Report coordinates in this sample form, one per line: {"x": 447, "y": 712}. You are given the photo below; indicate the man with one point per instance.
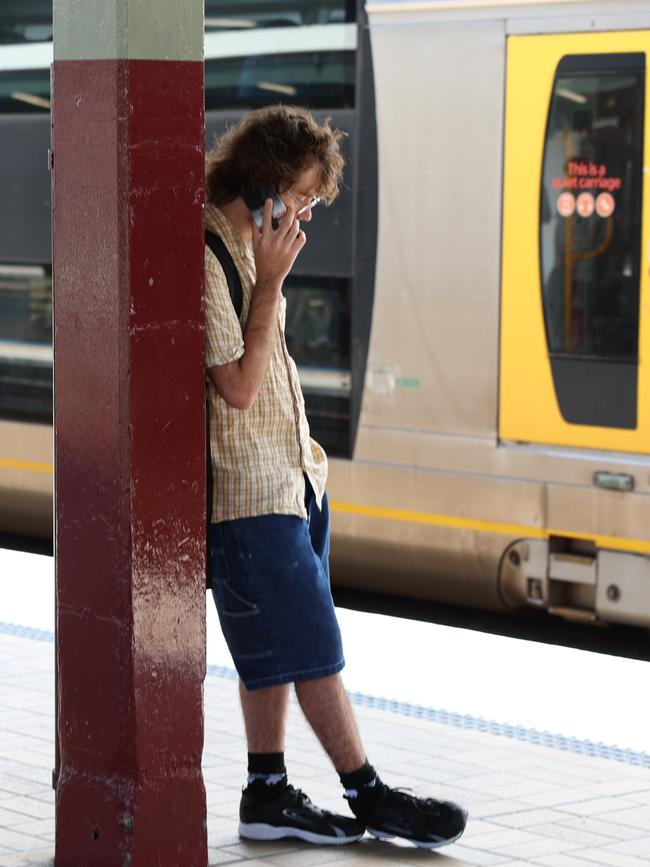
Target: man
{"x": 269, "y": 540}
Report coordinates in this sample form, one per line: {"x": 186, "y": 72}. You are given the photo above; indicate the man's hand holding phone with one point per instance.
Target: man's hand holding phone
{"x": 276, "y": 250}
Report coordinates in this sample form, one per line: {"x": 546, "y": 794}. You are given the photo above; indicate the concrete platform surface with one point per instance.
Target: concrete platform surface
{"x": 529, "y": 804}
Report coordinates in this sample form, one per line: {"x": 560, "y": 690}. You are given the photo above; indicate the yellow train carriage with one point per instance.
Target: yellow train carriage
{"x": 485, "y": 400}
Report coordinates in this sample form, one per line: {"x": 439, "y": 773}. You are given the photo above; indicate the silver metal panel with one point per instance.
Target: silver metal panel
{"x": 391, "y": 552}
{"x": 598, "y": 513}
{"x": 623, "y": 593}
{"x": 414, "y": 14}
{"x": 467, "y": 455}
{"x": 579, "y": 24}
{"x": 433, "y": 347}
{"x": 570, "y": 568}
{"x": 25, "y": 495}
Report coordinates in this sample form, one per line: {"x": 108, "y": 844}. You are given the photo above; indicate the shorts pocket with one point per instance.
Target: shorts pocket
{"x": 245, "y": 631}
{"x": 236, "y": 605}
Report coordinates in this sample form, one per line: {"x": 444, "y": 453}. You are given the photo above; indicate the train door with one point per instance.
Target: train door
{"x": 575, "y": 317}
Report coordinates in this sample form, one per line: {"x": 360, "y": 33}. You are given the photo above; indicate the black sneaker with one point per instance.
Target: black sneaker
{"x": 292, "y": 814}
{"x": 424, "y": 821}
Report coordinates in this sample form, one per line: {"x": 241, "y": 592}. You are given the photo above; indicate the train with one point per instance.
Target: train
{"x": 470, "y": 318}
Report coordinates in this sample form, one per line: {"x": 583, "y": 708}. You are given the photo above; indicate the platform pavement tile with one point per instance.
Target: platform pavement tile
{"x": 497, "y": 840}
{"x": 638, "y": 791}
{"x": 562, "y": 860}
{"x": 476, "y": 827}
{"x": 592, "y": 769}
{"x": 43, "y": 828}
{"x": 559, "y": 798}
{"x": 610, "y": 829}
{"x": 435, "y": 769}
{"x": 491, "y": 808}
{"x": 41, "y": 858}
{"x": 14, "y": 721}
{"x": 640, "y": 848}
{"x": 573, "y": 835}
{"x": 11, "y": 819}
{"x": 531, "y": 818}
{"x": 262, "y": 848}
{"x": 216, "y": 858}
{"x": 40, "y": 775}
{"x": 558, "y": 777}
{"x": 308, "y": 855}
{"x": 522, "y": 789}
{"x": 462, "y": 854}
{"x": 638, "y": 816}
{"x": 358, "y": 860}
{"x": 26, "y": 758}
{"x": 11, "y": 785}
{"x": 40, "y": 728}
{"x": 485, "y": 781}
{"x": 228, "y": 769}
{"x": 43, "y": 793}
{"x": 222, "y": 831}
{"x": 621, "y": 809}
{"x": 256, "y": 862}
{"x": 11, "y": 839}
{"x": 611, "y": 859}
{"x": 534, "y": 848}
{"x": 615, "y": 803}
{"x": 224, "y": 796}
{"x": 33, "y": 808}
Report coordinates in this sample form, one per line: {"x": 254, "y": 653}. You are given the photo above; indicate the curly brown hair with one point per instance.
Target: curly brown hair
{"x": 273, "y": 145}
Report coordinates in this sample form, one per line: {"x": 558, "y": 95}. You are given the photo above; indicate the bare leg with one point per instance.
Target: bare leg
{"x": 265, "y": 714}
{"x": 329, "y": 712}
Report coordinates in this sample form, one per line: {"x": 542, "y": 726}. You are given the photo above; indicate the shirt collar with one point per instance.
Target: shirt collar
{"x": 216, "y": 220}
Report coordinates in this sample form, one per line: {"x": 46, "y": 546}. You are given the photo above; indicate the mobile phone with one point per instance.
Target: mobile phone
{"x": 255, "y": 203}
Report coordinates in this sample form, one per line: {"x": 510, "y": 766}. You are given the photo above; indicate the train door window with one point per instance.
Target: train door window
{"x": 317, "y": 79}
{"x": 24, "y": 91}
{"x": 25, "y": 21}
{"x": 590, "y": 236}
{"x": 26, "y": 343}
{"x": 318, "y": 338}
{"x": 575, "y": 287}
{"x": 248, "y": 14}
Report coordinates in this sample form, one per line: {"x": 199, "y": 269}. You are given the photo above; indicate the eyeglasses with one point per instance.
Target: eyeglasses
{"x": 311, "y": 202}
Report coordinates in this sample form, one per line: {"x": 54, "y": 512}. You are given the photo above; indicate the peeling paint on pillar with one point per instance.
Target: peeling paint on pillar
{"x": 129, "y": 431}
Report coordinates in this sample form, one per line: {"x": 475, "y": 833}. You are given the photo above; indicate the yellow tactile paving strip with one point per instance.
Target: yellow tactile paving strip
{"x": 528, "y": 804}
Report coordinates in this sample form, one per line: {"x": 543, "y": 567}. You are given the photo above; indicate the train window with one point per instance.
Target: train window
{"x": 317, "y": 79}
{"x": 25, "y": 21}
{"x": 31, "y": 20}
{"x": 26, "y": 343}
{"x": 590, "y": 235}
{"x": 248, "y": 14}
{"x": 24, "y": 91}
{"x": 318, "y": 338}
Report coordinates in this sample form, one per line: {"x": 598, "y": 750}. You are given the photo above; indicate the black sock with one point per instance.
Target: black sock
{"x": 362, "y": 789}
{"x": 267, "y": 775}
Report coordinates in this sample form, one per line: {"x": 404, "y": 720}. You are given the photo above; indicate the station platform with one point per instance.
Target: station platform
{"x": 529, "y": 803}
{"x": 548, "y": 747}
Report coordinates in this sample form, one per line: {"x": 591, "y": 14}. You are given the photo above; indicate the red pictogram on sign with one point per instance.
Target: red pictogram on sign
{"x": 585, "y": 204}
{"x": 605, "y": 205}
{"x": 566, "y": 205}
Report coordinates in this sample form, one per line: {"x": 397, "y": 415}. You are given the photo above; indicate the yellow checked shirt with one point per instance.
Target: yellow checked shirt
{"x": 259, "y": 455}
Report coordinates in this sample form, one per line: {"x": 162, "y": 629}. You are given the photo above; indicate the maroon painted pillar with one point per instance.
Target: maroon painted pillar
{"x": 128, "y": 152}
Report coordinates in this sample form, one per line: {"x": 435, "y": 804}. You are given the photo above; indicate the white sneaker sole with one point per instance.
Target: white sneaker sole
{"x": 382, "y": 835}
{"x": 261, "y": 831}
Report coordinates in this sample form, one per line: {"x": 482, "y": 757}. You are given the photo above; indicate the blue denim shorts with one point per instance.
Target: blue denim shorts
{"x": 270, "y": 582}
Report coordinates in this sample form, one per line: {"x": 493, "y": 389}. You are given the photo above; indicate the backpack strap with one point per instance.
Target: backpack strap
{"x": 216, "y": 244}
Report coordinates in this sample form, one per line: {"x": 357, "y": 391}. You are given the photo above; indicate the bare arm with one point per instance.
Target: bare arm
{"x": 275, "y": 252}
